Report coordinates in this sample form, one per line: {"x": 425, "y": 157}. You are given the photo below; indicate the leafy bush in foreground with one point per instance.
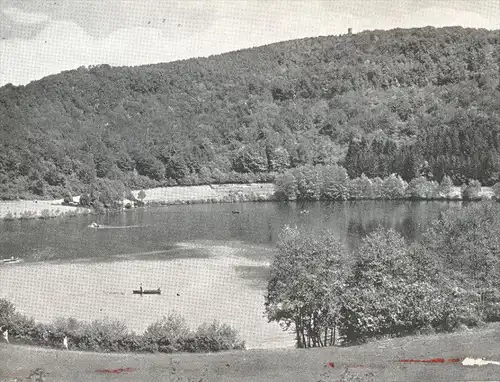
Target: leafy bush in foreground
{"x": 305, "y": 285}
{"x": 448, "y": 280}
{"x": 387, "y": 293}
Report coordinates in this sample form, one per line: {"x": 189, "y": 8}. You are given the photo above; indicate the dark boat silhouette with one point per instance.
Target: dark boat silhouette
{"x": 236, "y": 212}
{"x": 147, "y": 291}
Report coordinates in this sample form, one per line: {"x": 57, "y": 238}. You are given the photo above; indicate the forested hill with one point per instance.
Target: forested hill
{"x": 390, "y": 100}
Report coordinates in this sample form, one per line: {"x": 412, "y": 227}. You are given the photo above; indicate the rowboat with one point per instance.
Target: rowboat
{"x": 11, "y": 260}
{"x": 147, "y": 291}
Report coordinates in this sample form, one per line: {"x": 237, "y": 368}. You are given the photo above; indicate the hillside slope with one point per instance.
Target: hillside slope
{"x": 415, "y": 95}
{"x": 379, "y": 358}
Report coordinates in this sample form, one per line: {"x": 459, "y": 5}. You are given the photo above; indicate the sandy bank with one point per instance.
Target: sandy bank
{"x": 28, "y": 209}
{"x": 200, "y": 289}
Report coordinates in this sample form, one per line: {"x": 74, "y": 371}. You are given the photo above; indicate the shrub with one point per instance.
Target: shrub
{"x": 67, "y": 198}
{"x": 388, "y": 292}
{"x": 85, "y": 200}
{"x": 170, "y": 334}
{"x": 422, "y": 188}
{"x": 445, "y": 186}
{"x": 309, "y": 182}
{"x": 393, "y": 187}
{"x": 7, "y": 311}
{"x": 467, "y": 241}
{"x": 361, "y": 188}
{"x": 141, "y": 195}
{"x": 286, "y": 186}
{"x": 471, "y": 192}
{"x": 8, "y": 216}
{"x": 102, "y": 335}
{"x": 377, "y": 188}
{"x": 21, "y": 328}
{"x": 214, "y": 337}
{"x": 45, "y": 214}
{"x": 165, "y": 335}
{"x": 335, "y": 183}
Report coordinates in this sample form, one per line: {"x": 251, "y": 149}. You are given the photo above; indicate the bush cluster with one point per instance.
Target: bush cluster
{"x": 168, "y": 335}
{"x": 331, "y": 182}
{"x": 448, "y": 280}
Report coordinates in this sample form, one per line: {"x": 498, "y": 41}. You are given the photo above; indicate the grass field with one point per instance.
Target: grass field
{"x": 376, "y": 361}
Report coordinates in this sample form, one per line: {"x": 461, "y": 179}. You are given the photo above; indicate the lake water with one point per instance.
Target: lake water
{"x": 156, "y": 229}
{"x": 211, "y": 263}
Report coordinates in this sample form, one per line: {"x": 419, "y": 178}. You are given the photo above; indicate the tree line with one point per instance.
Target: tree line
{"x": 332, "y": 182}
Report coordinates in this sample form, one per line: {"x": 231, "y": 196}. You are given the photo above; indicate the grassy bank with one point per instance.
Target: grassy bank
{"x": 375, "y": 361}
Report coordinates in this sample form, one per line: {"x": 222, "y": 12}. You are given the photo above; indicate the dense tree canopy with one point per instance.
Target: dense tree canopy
{"x": 415, "y": 102}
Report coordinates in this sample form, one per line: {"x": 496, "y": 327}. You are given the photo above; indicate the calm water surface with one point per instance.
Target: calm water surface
{"x": 157, "y": 229}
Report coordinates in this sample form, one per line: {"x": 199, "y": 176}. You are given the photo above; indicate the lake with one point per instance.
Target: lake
{"x": 211, "y": 263}
{"x": 157, "y": 229}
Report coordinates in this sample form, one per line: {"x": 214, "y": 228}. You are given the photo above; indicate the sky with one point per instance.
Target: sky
{"x": 43, "y": 37}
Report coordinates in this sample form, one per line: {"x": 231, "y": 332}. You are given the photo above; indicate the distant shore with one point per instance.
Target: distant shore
{"x": 220, "y": 193}
{"x": 217, "y": 193}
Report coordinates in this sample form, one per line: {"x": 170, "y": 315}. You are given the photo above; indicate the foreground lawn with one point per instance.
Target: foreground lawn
{"x": 377, "y": 361}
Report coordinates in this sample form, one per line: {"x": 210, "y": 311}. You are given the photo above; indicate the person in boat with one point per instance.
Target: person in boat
{"x": 140, "y": 288}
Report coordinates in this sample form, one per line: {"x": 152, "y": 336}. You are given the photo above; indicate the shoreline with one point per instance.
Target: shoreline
{"x": 180, "y": 195}
{"x": 159, "y": 196}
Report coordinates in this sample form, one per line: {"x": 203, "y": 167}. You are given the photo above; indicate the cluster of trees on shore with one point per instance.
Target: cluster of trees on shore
{"x": 447, "y": 281}
{"x": 332, "y": 182}
{"x": 168, "y": 335}
{"x": 377, "y": 102}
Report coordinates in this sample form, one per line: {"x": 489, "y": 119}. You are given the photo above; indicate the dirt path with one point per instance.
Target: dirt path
{"x": 380, "y": 358}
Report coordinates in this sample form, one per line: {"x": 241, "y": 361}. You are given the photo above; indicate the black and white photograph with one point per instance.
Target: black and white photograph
{"x": 249, "y": 190}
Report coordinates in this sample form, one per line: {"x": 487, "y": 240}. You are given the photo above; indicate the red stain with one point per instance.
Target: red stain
{"x": 432, "y": 360}
{"x": 115, "y": 371}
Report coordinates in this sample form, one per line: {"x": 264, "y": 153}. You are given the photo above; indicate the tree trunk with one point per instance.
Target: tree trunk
{"x": 297, "y": 332}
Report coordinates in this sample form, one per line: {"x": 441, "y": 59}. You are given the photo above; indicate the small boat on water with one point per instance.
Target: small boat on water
{"x": 12, "y": 260}
{"x": 236, "y": 212}
{"x": 94, "y": 225}
{"x": 147, "y": 291}
{"x": 304, "y": 212}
